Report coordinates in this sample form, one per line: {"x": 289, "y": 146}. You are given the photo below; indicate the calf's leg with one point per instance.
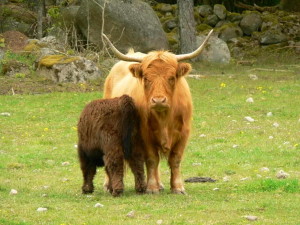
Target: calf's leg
{"x": 88, "y": 168}
{"x": 114, "y": 166}
{"x": 136, "y": 163}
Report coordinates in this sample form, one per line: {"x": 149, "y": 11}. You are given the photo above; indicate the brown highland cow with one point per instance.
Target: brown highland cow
{"x": 108, "y": 133}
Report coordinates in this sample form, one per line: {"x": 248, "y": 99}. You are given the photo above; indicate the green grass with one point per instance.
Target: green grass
{"x": 40, "y": 135}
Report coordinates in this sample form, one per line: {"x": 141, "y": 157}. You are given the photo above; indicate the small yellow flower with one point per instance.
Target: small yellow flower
{"x": 296, "y": 145}
{"x": 222, "y": 85}
{"x": 74, "y": 128}
{"x": 46, "y": 129}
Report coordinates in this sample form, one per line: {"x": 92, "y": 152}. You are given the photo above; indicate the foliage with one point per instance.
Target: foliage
{"x": 54, "y": 13}
{"x": 20, "y": 75}
{"x": 27, "y": 59}
{"x": 40, "y": 135}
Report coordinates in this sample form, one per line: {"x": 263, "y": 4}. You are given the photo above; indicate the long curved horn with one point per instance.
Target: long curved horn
{"x": 196, "y": 52}
{"x": 119, "y": 54}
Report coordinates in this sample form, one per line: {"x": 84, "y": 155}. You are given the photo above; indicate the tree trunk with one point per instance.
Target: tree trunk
{"x": 187, "y": 31}
{"x": 41, "y": 10}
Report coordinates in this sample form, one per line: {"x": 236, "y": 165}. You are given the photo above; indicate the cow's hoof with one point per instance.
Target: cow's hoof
{"x": 140, "y": 190}
{"x": 179, "y": 192}
{"x": 161, "y": 187}
{"x": 87, "y": 190}
{"x": 117, "y": 192}
{"x": 152, "y": 191}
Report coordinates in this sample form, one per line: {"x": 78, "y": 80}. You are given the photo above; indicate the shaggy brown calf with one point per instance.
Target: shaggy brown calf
{"x": 108, "y": 133}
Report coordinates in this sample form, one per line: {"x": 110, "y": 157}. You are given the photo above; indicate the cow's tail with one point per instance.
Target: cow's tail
{"x": 129, "y": 124}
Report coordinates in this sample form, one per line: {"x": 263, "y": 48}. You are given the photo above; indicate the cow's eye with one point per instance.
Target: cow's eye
{"x": 147, "y": 82}
{"x": 171, "y": 80}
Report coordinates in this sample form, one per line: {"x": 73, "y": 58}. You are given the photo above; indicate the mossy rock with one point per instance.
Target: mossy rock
{"x": 162, "y": 7}
{"x": 169, "y": 25}
{"x": 163, "y": 19}
{"x": 198, "y": 18}
{"x": 270, "y": 21}
{"x": 202, "y": 27}
{"x": 32, "y": 46}
{"x": 35, "y": 45}
{"x": 290, "y": 18}
{"x": 172, "y": 38}
{"x": 246, "y": 12}
{"x": 159, "y": 14}
{"x": 269, "y": 18}
{"x": 50, "y": 60}
{"x": 234, "y": 17}
{"x": 227, "y": 25}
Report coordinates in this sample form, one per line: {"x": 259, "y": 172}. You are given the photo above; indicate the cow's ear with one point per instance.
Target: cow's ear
{"x": 136, "y": 70}
{"x": 183, "y": 69}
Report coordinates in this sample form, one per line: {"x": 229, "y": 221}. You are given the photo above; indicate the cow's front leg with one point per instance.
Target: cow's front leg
{"x": 106, "y": 182}
{"x": 176, "y": 181}
{"x": 160, "y": 184}
{"x": 152, "y": 163}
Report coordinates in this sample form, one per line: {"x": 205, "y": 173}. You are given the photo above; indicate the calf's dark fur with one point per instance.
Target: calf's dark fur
{"x": 108, "y": 134}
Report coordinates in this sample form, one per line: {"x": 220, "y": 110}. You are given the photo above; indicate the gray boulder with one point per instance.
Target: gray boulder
{"x": 11, "y": 23}
{"x": 211, "y": 20}
{"x": 222, "y": 23}
{"x": 272, "y": 36}
{"x": 14, "y": 68}
{"x": 77, "y": 71}
{"x": 251, "y": 22}
{"x": 220, "y": 11}
{"x": 216, "y": 51}
{"x": 234, "y": 17}
{"x": 164, "y": 8}
{"x": 131, "y": 24}
{"x": 169, "y": 25}
{"x": 229, "y": 31}
{"x": 270, "y": 21}
{"x": 205, "y": 10}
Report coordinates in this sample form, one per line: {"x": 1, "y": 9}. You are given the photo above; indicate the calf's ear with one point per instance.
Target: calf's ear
{"x": 183, "y": 69}
{"x": 136, "y": 70}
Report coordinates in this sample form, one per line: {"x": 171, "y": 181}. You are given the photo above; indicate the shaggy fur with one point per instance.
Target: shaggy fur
{"x": 108, "y": 133}
{"x": 163, "y": 100}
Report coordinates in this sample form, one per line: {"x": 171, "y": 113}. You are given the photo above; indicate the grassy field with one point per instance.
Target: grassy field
{"x": 39, "y": 160}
